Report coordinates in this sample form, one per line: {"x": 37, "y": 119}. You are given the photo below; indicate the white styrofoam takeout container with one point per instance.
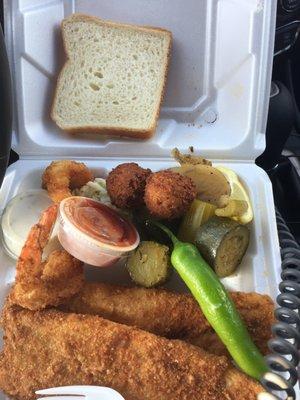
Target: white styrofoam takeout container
{"x": 216, "y": 101}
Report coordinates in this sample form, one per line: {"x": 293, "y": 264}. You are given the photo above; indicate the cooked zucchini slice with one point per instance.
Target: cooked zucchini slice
{"x": 149, "y": 265}
{"x": 198, "y": 213}
{"x": 223, "y": 243}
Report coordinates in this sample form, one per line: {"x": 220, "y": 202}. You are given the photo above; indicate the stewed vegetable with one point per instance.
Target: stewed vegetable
{"x": 223, "y": 243}
{"x": 216, "y": 305}
{"x": 198, "y": 213}
{"x": 149, "y": 264}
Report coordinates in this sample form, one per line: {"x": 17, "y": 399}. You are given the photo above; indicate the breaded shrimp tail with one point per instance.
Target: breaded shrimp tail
{"x": 172, "y": 315}
{"x": 50, "y": 348}
{"x": 41, "y": 283}
{"x": 60, "y": 177}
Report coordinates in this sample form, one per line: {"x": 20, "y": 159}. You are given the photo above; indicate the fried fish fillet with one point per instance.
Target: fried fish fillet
{"x": 170, "y": 314}
{"x": 50, "y": 348}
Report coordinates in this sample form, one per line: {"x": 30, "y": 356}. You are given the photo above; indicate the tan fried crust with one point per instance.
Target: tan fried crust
{"x": 172, "y": 315}
{"x": 49, "y": 348}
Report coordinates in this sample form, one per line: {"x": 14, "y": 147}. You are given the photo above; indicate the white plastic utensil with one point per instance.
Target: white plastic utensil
{"x": 84, "y": 392}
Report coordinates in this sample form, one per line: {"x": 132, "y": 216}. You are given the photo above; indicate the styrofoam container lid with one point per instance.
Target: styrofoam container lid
{"x": 217, "y": 90}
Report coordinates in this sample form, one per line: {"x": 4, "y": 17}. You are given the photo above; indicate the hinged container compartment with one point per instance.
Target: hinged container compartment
{"x": 216, "y": 101}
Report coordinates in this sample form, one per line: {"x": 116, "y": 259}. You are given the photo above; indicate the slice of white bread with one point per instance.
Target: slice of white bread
{"x": 114, "y": 78}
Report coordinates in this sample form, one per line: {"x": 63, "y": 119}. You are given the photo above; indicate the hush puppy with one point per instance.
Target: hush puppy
{"x": 126, "y": 185}
{"x": 168, "y": 194}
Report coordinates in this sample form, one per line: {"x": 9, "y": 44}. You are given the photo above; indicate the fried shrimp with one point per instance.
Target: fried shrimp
{"x": 60, "y": 177}
{"x": 41, "y": 283}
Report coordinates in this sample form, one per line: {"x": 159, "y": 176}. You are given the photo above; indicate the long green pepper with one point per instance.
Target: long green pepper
{"x": 216, "y": 305}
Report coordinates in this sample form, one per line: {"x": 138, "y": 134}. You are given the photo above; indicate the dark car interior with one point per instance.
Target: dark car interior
{"x": 281, "y": 159}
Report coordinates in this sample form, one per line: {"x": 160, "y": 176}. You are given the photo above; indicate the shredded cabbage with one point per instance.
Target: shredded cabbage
{"x": 95, "y": 190}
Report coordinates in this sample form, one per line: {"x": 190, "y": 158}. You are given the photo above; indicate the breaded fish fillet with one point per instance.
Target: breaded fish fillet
{"x": 171, "y": 314}
{"x": 51, "y": 348}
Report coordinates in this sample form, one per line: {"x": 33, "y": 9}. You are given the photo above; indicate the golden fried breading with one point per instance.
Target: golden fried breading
{"x": 45, "y": 283}
{"x": 168, "y": 194}
{"x": 49, "y": 348}
{"x": 62, "y": 176}
{"x": 170, "y": 314}
{"x": 126, "y": 185}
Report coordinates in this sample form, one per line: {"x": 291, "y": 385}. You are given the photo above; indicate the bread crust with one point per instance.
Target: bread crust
{"x": 112, "y": 131}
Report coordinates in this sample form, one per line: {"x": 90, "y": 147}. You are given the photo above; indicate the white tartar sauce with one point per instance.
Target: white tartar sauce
{"x": 20, "y": 214}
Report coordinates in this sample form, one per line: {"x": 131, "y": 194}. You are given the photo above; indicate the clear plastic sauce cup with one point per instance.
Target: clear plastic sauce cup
{"x": 94, "y": 232}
